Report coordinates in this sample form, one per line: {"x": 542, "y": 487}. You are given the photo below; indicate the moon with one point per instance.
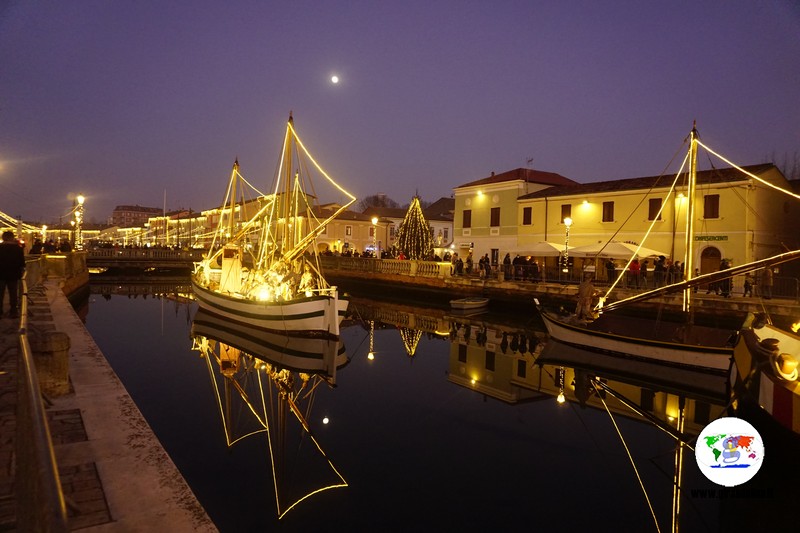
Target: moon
{"x": 334, "y": 79}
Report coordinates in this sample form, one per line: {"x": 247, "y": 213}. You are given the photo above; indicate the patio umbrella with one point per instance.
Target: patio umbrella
{"x": 613, "y": 249}
{"x": 542, "y": 249}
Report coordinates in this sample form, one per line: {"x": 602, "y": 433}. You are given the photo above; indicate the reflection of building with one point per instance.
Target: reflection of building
{"x": 518, "y": 367}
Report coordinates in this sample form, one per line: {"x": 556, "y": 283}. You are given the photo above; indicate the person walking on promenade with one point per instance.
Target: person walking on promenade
{"x": 586, "y": 294}
{"x": 12, "y": 264}
{"x": 634, "y": 270}
{"x": 611, "y": 271}
{"x": 748, "y": 286}
{"x": 766, "y": 284}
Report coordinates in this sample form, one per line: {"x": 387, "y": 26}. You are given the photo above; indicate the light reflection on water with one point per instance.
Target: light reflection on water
{"x": 421, "y": 447}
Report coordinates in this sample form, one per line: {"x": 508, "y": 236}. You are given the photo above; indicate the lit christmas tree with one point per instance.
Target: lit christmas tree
{"x": 414, "y": 236}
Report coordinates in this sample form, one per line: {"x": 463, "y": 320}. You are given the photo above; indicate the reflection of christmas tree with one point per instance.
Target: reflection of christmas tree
{"x": 410, "y": 339}
{"x": 415, "y": 237}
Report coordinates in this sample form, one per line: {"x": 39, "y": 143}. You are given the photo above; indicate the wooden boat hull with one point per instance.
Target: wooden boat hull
{"x": 757, "y": 378}
{"x": 469, "y": 304}
{"x": 301, "y": 354}
{"x": 710, "y": 358}
{"x": 312, "y": 316}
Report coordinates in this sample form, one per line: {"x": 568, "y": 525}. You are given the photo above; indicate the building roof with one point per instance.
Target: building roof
{"x": 385, "y": 212}
{"x": 441, "y": 209}
{"x": 522, "y": 174}
{"x": 704, "y": 177}
{"x": 138, "y": 208}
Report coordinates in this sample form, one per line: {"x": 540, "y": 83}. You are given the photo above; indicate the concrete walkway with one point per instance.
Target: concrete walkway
{"x": 115, "y": 474}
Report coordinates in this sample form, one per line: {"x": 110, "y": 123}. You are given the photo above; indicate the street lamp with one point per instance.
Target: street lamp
{"x": 79, "y": 222}
{"x": 567, "y": 224}
{"x": 375, "y": 236}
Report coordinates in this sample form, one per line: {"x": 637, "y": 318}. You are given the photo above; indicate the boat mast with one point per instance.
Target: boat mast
{"x": 231, "y": 222}
{"x": 688, "y": 260}
{"x": 286, "y": 243}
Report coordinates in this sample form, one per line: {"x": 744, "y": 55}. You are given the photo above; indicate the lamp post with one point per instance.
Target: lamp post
{"x": 375, "y": 237}
{"x": 79, "y": 222}
{"x": 567, "y": 224}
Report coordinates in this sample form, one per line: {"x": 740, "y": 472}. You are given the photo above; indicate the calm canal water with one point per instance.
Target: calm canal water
{"x": 420, "y": 446}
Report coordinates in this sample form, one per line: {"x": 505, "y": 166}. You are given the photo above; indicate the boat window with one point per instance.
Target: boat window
{"x": 608, "y": 211}
{"x": 654, "y": 211}
{"x": 711, "y": 206}
{"x": 526, "y": 216}
{"x": 495, "y": 217}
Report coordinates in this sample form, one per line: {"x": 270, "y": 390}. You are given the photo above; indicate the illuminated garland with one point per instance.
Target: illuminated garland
{"x": 415, "y": 236}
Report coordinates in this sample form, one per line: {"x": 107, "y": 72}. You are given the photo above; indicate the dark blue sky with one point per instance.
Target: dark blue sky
{"x": 121, "y": 100}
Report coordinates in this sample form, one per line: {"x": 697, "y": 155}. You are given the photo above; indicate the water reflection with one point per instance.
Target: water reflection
{"x": 265, "y": 384}
{"x": 459, "y": 411}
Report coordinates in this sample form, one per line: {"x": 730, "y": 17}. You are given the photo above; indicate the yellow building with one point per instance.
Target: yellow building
{"x": 736, "y": 217}
{"x": 486, "y": 217}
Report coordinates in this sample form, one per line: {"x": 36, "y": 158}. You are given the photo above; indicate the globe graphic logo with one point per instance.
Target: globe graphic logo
{"x": 729, "y": 451}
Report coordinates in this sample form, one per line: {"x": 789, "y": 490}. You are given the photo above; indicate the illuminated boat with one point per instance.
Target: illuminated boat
{"x": 679, "y": 342}
{"x": 262, "y": 268}
{"x": 767, "y": 370}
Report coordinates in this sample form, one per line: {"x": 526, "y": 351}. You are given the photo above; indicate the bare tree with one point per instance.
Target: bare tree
{"x": 377, "y": 200}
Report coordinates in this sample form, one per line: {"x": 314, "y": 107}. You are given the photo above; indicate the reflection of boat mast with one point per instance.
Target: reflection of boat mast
{"x": 676, "y": 433}
{"x": 275, "y": 395}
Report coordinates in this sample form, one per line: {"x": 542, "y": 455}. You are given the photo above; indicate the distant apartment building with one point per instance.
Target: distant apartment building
{"x": 126, "y": 216}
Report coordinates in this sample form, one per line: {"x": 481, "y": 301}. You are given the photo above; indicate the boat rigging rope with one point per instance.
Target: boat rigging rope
{"x": 750, "y": 174}
{"x": 630, "y": 457}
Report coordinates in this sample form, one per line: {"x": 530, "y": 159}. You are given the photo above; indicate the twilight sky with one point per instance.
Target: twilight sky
{"x": 122, "y": 100}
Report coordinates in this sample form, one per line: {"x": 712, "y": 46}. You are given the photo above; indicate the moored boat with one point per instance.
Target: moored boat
{"x": 766, "y": 371}
{"x": 262, "y": 268}
{"x": 681, "y": 341}
{"x": 469, "y": 304}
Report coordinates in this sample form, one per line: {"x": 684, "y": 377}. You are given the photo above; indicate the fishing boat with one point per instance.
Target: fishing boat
{"x": 766, "y": 371}
{"x": 679, "y": 342}
{"x": 262, "y": 268}
{"x": 269, "y": 391}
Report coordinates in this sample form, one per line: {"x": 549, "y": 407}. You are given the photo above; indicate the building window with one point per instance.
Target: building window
{"x": 654, "y": 212}
{"x": 446, "y": 236}
{"x": 462, "y": 353}
{"x": 608, "y": 211}
{"x": 490, "y": 361}
{"x": 467, "y": 220}
{"x": 711, "y": 206}
{"x": 392, "y": 231}
{"x": 521, "y": 368}
{"x": 348, "y": 230}
{"x": 566, "y": 211}
{"x": 495, "y": 217}
{"x": 526, "y": 216}
{"x": 372, "y": 231}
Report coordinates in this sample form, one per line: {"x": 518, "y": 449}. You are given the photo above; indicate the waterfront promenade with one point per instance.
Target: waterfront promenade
{"x": 114, "y": 473}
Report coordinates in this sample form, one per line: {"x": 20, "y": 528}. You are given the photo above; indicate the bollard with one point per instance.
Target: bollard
{"x": 51, "y": 356}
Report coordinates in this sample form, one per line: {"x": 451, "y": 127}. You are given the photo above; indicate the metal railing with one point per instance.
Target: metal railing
{"x": 40, "y": 500}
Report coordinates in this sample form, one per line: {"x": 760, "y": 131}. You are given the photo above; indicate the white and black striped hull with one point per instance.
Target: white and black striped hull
{"x": 313, "y": 316}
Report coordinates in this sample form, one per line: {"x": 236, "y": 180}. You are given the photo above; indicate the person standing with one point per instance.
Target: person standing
{"x": 766, "y": 284}
{"x": 586, "y": 294}
{"x": 12, "y": 265}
